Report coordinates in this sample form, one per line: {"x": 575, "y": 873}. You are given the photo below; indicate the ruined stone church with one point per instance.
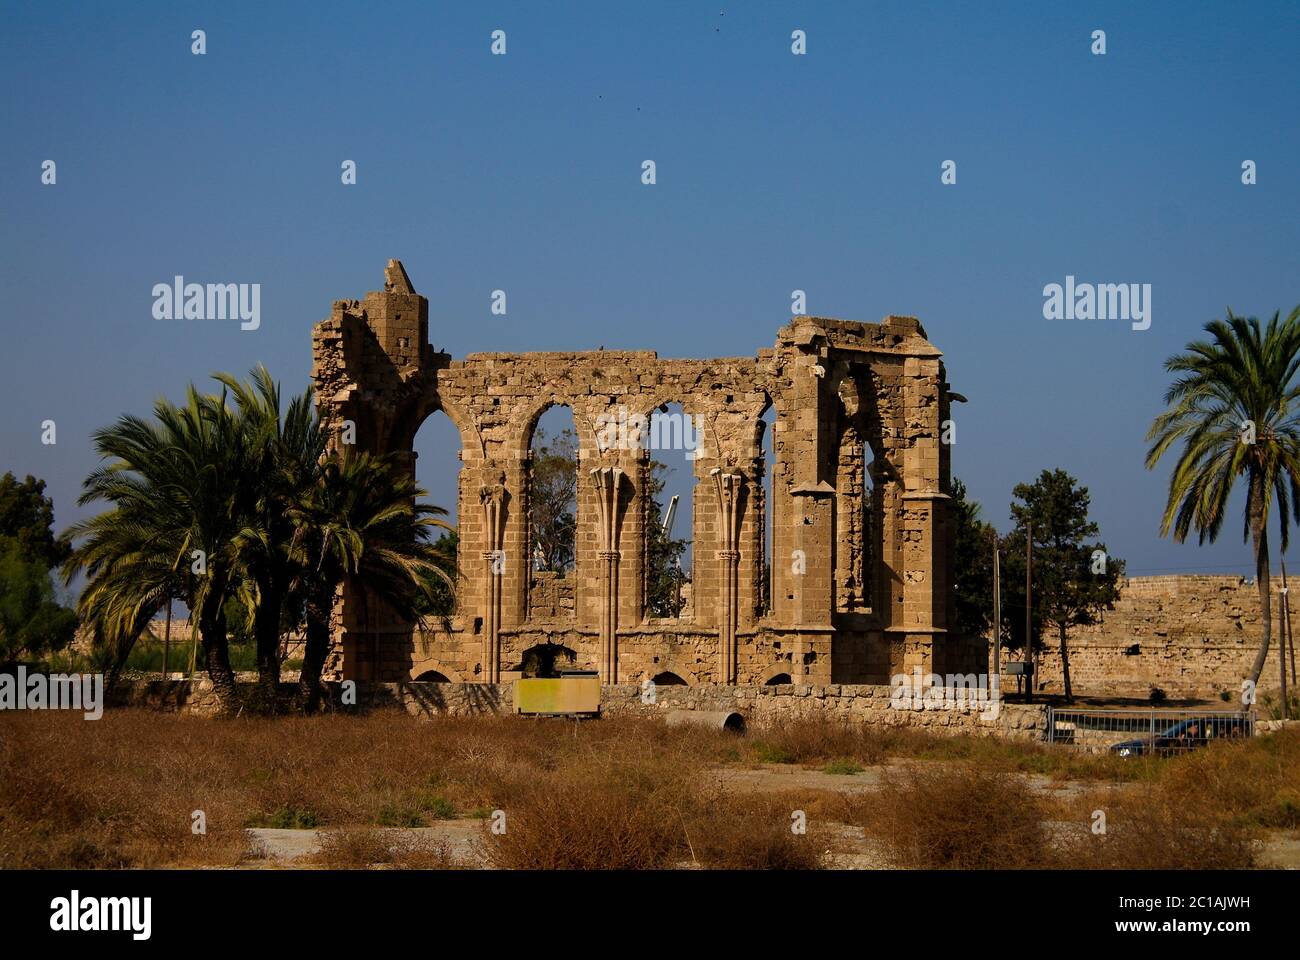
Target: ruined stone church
{"x": 861, "y": 535}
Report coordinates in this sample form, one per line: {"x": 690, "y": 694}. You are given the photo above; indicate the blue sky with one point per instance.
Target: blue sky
{"x": 775, "y": 172}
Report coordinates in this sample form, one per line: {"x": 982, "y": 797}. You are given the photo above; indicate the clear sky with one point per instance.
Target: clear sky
{"x": 775, "y": 172}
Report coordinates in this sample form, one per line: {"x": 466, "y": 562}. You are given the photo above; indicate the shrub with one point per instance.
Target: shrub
{"x": 771, "y": 753}
{"x": 1152, "y": 830}
{"x": 351, "y": 848}
{"x": 288, "y": 818}
{"x": 843, "y": 767}
{"x": 605, "y": 812}
{"x": 805, "y": 741}
{"x": 957, "y": 817}
{"x": 751, "y": 833}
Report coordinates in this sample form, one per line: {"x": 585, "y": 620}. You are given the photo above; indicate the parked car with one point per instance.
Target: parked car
{"x": 1183, "y": 736}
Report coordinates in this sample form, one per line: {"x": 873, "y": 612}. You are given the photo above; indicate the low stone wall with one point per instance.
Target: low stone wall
{"x": 867, "y": 704}
{"x": 761, "y": 706}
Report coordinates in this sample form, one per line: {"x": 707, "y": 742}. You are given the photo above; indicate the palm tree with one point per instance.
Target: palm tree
{"x": 1233, "y": 407}
{"x": 361, "y": 522}
{"x": 287, "y": 451}
{"x": 180, "y": 488}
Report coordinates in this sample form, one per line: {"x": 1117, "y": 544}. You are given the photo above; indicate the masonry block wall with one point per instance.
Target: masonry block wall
{"x": 859, "y": 521}
{"x": 1190, "y": 636}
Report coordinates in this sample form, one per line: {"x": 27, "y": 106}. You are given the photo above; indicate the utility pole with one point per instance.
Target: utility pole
{"x": 997, "y": 609}
{"x": 1029, "y": 612}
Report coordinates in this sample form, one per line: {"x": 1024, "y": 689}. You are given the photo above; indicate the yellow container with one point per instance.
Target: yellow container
{"x": 562, "y": 695}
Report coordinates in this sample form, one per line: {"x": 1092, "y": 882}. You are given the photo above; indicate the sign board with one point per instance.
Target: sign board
{"x": 563, "y": 695}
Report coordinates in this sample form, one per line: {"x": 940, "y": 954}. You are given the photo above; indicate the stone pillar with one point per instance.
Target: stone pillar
{"x": 728, "y": 485}
{"x": 924, "y": 530}
{"x": 492, "y": 497}
{"x": 608, "y": 481}
{"x": 751, "y": 544}
{"x": 632, "y": 532}
{"x": 514, "y": 541}
{"x": 813, "y": 523}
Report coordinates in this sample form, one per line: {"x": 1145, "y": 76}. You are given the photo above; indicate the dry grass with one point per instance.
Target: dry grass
{"x": 811, "y": 741}
{"x": 821, "y": 743}
{"x": 955, "y": 817}
{"x": 1204, "y": 810}
{"x": 365, "y": 848}
{"x": 1154, "y": 829}
{"x": 649, "y": 807}
{"x": 121, "y": 792}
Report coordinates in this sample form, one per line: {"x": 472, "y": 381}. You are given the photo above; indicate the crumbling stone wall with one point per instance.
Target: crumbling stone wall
{"x": 550, "y": 596}
{"x": 760, "y": 706}
{"x": 860, "y": 584}
{"x": 1190, "y": 636}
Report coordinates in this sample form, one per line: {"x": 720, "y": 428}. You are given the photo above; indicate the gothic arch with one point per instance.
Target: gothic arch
{"x": 674, "y": 667}
{"x": 775, "y": 670}
{"x": 523, "y": 425}
{"x": 435, "y": 666}
{"x": 429, "y": 403}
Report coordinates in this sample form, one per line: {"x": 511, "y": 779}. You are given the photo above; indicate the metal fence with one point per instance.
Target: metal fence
{"x": 1139, "y": 732}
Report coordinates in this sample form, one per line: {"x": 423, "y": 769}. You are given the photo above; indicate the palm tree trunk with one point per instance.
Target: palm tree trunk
{"x": 266, "y": 628}
{"x": 216, "y": 653}
{"x": 1065, "y": 665}
{"x": 1259, "y": 535}
{"x": 316, "y": 648}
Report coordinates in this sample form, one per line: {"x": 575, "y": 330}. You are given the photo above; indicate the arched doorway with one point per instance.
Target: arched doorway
{"x": 545, "y": 660}
{"x": 668, "y": 679}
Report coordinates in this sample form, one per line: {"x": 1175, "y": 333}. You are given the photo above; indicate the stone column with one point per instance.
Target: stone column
{"x": 728, "y": 484}
{"x": 925, "y": 530}
{"x": 608, "y": 481}
{"x": 492, "y": 498}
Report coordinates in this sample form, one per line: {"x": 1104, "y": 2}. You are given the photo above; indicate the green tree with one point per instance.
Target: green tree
{"x": 553, "y": 500}
{"x": 361, "y": 522}
{"x": 181, "y": 488}
{"x": 285, "y": 447}
{"x": 27, "y": 516}
{"x": 1075, "y": 579}
{"x": 234, "y": 508}
{"x": 32, "y": 621}
{"x": 437, "y": 599}
{"x": 973, "y": 568}
{"x": 1233, "y": 409}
